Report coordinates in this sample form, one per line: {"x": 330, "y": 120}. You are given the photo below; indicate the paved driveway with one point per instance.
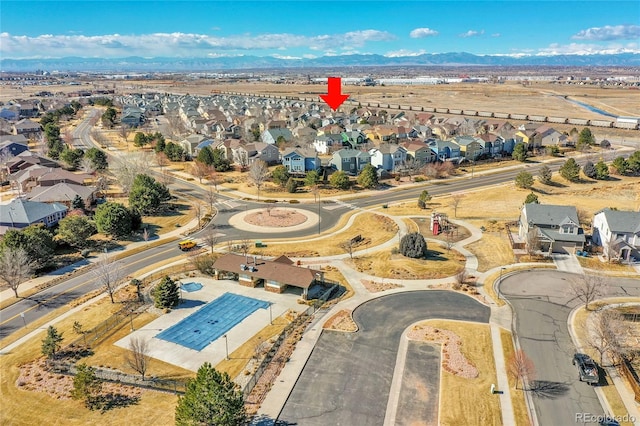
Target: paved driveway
{"x": 347, "y": 377}
{"x": 542, "y": 302}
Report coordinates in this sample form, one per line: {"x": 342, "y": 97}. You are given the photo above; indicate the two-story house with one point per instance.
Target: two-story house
{"x": 27, "y": 128}
{"x": 444, "y": 149}
{"x": 419, "y": 152}
{"x": 470, "y": 146}
{"x": 388, "y": 157}
{"x": 325, "y": 144}
{"x": 618, "y": 233}
{"x": 300, "y": 160}
{"x": 260, "y": 151}
{"x": 271, "y": 136}
{"x": 557, "y": 227}
{"x": 350, "y": 161}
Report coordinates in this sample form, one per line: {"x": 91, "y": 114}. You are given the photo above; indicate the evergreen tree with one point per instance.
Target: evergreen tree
{"x": 205, "y": 156}
{"x": 585, "y": 139}
{"x": 519, "y": 152}
{"x": 292, "y": 186}
{"x": 312, "y": 178}
{"x": 36, "y": 240}
{"x": 140, "y": 139}
{"x": 633, "y": 163}
{"x": 524, "y": 180}
{"x": 174, "y": 152}
{"x": 147, "y": 195}
{"x": 532, "y": 199}
{"x": 424, "y": 198}
{"x": 621, "y": 165}
{"x": 545, "y": 175}
{"x": 86, "y": 386}
{"x": 211, "y": 398}
{"x": 589, "y": 169}
{"x": 413, "y": 245}
{"x": 570, "y": 170}
{"x": 280, "y": 176}
{"x": 340, "y": 180}
{"x": 77, "y": 203}
{"x": 113, "y": 219}
{"x": 51, "y": 342}
{"x": 602, "y": 170}
{"x": 76, "y": 230}
{"x": 98, "y": 158}
{"x": 166, "y": 293}
{"x": 368, "y": 177}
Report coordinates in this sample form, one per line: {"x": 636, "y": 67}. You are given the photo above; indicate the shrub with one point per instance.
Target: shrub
{"x": 419, "y": 179}
{"x": 294, "y": 201}
{"x": 413, "y": 245}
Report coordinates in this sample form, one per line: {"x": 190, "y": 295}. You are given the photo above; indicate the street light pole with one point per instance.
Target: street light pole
{"x": 270, "y": 314}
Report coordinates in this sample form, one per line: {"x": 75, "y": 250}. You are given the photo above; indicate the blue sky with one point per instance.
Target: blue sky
{"x": 298, "y": 29}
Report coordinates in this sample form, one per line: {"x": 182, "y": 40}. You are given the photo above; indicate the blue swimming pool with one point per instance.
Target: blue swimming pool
{"x": 211, "y": 321}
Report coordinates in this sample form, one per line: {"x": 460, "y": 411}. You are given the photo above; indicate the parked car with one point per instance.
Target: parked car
{"x": 587, "y": 368}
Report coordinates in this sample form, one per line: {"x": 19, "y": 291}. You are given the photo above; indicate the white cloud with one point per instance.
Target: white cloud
{"x": 588, "y": 49}
{"x": 404, "y": 52}
{"x": 471, "y": 33}
{"x": 496, "y": 35}
{"x": 608, "y": 32}
{"x": 175, "y": 44}
{"x": 422, "y": 33}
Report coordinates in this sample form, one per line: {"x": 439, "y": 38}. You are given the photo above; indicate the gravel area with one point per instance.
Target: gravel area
{"x": 341, "y": 321}
{"x": 375, "y": 287}
{"x": 453, "y": 360}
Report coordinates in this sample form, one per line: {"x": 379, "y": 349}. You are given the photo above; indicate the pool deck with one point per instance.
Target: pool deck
{"x": 215, "y": 352}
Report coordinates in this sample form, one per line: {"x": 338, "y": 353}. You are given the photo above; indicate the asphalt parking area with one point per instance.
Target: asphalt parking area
{"x": 347, "y": 378}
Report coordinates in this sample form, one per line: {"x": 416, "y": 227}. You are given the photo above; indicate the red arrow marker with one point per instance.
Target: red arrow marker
{"x": 334, "y": 97}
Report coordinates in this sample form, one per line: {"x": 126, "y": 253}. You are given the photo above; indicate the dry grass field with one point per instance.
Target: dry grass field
{"x": 439, "y": 264}
{"x": 518, "y": 403}
{"x": 467, "y": 401}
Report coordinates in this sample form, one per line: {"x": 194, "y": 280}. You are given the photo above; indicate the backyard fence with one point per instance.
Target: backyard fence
{"x": 107, "y": 327}
{"x": 629, "y": 373}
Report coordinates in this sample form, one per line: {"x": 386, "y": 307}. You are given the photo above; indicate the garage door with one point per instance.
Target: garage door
{"x": 564, "y": 248}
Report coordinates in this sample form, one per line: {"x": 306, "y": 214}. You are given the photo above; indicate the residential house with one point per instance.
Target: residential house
{"x": 618, "y": 233}
{"x": 190, "y": 143}
{"x": 444, "y": 150}
{"x": 132, "y": 117}
{"x": 557, "y": 228}
{"x": 63, "y": 193}
{"x": 388, "y": 157}
{"x": 26, "y": 127}
{"x": 494, "y": 145}
{"x": 351, "y": 161}
{"x": 26, "y": 159}
{"x": 20, "y": 213}
{"x": 206, "y": 142}
{"x": 353, "y": 138}
{"x": 300, "y": 160}
{"x": 326, "y": 144}
{"x": 419, "y": 152}
{"x": 11, "y": 147}
{"x": 546, "y": 136}
{"x": 271, "y": 136}
{"x": 10, "y": 112}
{"x": 260, "y": 151}
{"x": 470, "y": 147}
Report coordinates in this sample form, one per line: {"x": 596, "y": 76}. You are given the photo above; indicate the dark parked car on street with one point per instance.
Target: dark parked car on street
{"x": 587, "y": 368}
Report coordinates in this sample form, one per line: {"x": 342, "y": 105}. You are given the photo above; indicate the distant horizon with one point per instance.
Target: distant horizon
{"x": 311, "y": 30}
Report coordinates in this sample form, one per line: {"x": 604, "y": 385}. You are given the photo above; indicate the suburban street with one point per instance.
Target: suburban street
{"x": 346, "y": 380}
{"x": 542, "y": 301}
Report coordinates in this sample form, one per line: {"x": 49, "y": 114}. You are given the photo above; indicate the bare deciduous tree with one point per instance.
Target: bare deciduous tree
{"x": 15, "y": 267}
{"x": 197, "y": 209}
{"x": 456, "y": 199}
{"x": 86, "y": 165}
{"x": 520, "y": 368}
{"x": 123, "y": 132}
{"x": 607, "y": 333}
{"x": 211, "y": 197}
{"x": 461, "y": 277}
{"x": 211, "y": 236}
{"x": 108, "y": 273}
{"x": 348, "y": 246}
{"x": 127, "y": 167}
{"x": 200, "y": 170}
{"x": 587, "y": 288}
{"x": 532, "y": 241}
{"x": 161, "y": 160}
{"x": 258, "y": 174}
{"x": 138, "y": 358}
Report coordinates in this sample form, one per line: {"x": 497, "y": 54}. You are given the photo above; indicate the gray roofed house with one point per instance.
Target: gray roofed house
{"x": 63, "y": 193}
{"x": 350, "y": 161}
{"x": 558, "y": 227}
{"x": 618, "y": 232}
{"x": 20, "y": 213}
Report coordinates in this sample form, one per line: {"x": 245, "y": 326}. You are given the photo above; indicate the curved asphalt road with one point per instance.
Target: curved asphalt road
{"x": 542, "y": 300}
{"x": 347, "y": 378}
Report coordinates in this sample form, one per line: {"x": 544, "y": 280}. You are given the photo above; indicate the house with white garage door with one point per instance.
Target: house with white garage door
{"x": 558, "y": 228}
